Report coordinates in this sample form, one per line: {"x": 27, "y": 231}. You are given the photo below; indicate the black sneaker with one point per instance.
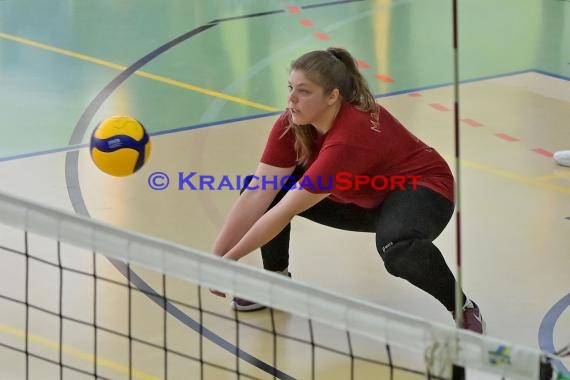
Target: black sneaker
{"x": 240, "y": 304}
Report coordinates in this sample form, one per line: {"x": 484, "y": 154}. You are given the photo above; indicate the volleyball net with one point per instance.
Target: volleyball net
{"x": 82, "y": 299}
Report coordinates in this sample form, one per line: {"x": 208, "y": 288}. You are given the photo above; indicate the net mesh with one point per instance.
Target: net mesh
{"x": 81, "y": 299}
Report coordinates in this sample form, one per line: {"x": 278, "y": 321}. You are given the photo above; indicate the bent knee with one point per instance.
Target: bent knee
{"x": 395, "y": 256}
{"x": 384, "y": 246}
{"x": 407, "y": 258}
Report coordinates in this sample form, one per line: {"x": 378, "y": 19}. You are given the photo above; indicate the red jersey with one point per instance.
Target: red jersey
{"x": 366, "y": 144}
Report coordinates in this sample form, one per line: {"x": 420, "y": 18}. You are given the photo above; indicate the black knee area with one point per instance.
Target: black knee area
{"x": 401, "y": 259}
{"x": 420, "y": 262}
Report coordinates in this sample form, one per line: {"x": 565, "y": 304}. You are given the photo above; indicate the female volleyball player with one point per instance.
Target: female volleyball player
{"x": 352, "y": 166}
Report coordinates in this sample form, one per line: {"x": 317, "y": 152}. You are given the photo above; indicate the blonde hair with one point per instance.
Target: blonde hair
{"x": 331, "y": 68}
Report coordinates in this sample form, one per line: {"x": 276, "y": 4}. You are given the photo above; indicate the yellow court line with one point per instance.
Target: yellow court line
{"x": 140, "y": 73}
{"x": 533, "y": 181}
{"x": 513, "y": 176}
{"x": 205, "y": 91}
{"x": 110, "y": 364}
{"x": 553, "y": 176}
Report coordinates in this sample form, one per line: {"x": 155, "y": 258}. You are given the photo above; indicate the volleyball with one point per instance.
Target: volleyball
{"x": 120, "y": 146}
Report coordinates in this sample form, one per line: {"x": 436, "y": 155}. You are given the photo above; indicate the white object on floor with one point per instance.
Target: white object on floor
{"x": 562, "y": 157}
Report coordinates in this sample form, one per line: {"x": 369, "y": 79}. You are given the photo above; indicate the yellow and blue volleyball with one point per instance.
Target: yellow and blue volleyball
{"x": 120, "y": 146}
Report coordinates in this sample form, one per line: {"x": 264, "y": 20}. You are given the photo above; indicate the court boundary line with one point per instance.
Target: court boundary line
{"x": 73, "y": 147}
{"x": 78, "y": 204}
{"x": 75, "y": 352}
{"x": 546, "y": 329}
{"x": 139, "y": 73}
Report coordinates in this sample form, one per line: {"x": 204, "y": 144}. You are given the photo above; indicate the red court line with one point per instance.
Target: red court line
{"x": 439, "y": 107}
{"x": 385, "y": 78}
{"x": 322, "y": 36}
{"x": 543, "y": 152}
{"x": 472, "y": 123}
{"x": 325, "y": 37}
{"x": 506, "y": 137}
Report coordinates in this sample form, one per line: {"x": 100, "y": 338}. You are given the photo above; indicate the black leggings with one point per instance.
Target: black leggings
{"x": 406, "y": 224}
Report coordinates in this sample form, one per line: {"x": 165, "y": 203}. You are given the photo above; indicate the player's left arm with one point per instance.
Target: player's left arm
{"x": 274, "y": 220}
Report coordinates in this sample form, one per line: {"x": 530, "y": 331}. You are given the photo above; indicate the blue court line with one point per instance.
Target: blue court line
{"x": 194, "y": 325}
{"x": 558, "y": 76}
{"x": 330, "y": 3}
{"x": 446, "y": 84}
{"x": 546, "y": 330}
{"x": 43, "y": 152}
{"x": 72, "y": 147}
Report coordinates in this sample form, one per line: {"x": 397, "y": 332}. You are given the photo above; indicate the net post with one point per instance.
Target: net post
{"x": 459, "y": 280}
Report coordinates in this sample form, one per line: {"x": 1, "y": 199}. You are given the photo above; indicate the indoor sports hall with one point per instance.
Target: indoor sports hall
{"x": 108, "y": 277}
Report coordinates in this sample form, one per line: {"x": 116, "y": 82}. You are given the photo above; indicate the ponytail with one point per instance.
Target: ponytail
{"x": 358, "y": 92}
{"x": 331, "y": 68}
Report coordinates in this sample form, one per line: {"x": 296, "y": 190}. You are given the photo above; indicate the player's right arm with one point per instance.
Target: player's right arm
{"x": 249, "y": 207}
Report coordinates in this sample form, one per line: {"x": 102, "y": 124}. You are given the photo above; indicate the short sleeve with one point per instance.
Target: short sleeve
{"x": 322, "y": 175}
